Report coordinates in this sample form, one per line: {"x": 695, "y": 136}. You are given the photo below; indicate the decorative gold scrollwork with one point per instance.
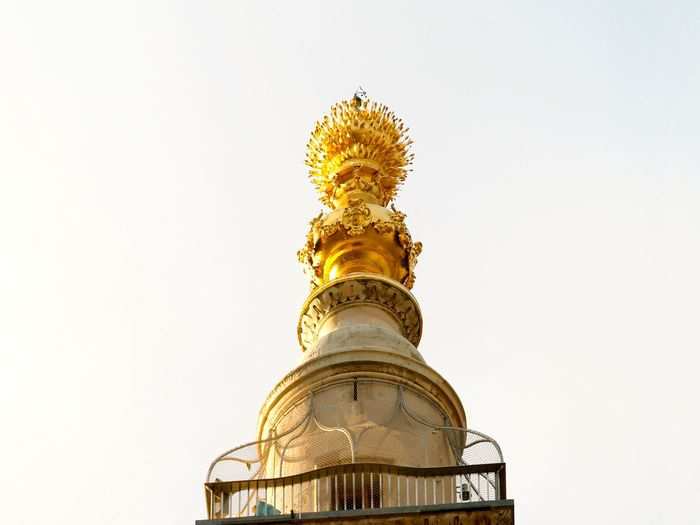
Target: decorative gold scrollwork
{"x": 354, "y": 221}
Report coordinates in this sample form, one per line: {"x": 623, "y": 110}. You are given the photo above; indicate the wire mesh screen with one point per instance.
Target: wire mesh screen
{"x": 363, "y": 421}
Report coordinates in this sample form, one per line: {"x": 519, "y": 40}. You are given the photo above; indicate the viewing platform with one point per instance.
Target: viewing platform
{"x": 353, "y": 492}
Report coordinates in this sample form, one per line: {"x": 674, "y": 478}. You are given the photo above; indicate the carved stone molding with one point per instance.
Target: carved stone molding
{"x": 357, "y": 290}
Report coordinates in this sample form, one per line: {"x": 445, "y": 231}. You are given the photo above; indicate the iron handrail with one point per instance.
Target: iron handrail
{"x": 220, "y": 495}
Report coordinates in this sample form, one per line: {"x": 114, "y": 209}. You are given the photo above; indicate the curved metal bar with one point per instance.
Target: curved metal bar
{"x": 395, "y": 412}
{"x": 477, "y": 442}
{"x": 490, "y": 440}
{"x": 458, "y": 455}
{"x": 222, "y": 456}
{"x": 307, "y": 419}
{"x": 257, "y": 442}
{"x": 248, "y": 462}
{"x": 445, "y": 427}
{"x": 342, "y": 430}
{"x": 405, "y": 410}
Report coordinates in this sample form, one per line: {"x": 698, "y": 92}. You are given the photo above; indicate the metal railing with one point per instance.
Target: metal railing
{"x": 355, "y": 486}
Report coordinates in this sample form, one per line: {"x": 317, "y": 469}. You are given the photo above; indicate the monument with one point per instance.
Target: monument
{"x": 363, "y": 429}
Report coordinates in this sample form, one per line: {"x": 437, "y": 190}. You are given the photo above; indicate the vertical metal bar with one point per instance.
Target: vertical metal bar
{"x": 434, "y": 492}
{"x": 502, "y": 494}
{"x": 387, "y": 500}
{"x": 381, "y": 486}
{"x": 398, "y": 490}
{"x": 345, "y": 493}
{"x": 335, "y": 483}
{"x": 362, "y": 484}
{"x": 371, "y": 490}
{"x": 415, "y": 481}
{"x": 328, "y": 490}
{"x": 354, "y": 490}
{"x": 425, "y": 490}
{"x": 388, "y": 488}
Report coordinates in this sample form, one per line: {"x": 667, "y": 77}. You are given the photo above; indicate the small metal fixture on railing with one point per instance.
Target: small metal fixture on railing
{"x": 355, "y": 486}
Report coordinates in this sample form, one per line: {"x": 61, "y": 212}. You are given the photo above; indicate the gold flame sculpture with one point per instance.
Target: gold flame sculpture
{"x": 360, "y": 146}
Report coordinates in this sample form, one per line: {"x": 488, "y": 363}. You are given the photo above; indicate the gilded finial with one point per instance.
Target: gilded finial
{"x": 359, "y": 150}
{"x": 359, "y": 154}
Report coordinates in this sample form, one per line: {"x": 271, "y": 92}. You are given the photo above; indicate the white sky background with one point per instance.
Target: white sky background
{"x": 153, "y": 196}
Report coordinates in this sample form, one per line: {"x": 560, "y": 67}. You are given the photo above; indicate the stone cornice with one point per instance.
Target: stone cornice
{"x": 360, "y": 289}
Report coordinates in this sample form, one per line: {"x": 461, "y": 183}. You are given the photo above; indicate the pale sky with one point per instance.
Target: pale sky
{"x": 153, "y": 196}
